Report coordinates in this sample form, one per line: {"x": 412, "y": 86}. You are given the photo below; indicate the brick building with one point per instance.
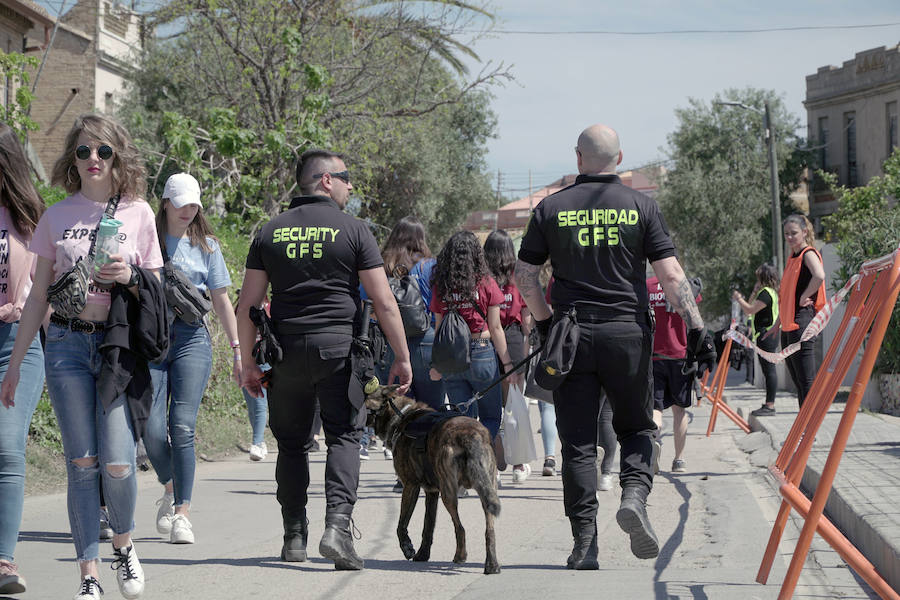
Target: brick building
{"x": 98, "y": 42}
{"x": 852, "y": 117}
{"x": 17, "y": 18}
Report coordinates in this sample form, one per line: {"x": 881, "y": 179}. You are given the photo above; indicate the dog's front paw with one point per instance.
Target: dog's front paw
{"x": 422, "y": 555}
{"x": 408, "y": 549}
{"x": 491, "y": 568}
{"x": 460, "y": 557}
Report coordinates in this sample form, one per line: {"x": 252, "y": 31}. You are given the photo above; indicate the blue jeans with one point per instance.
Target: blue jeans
{"x": 423, "y": 388}
{"x": 73, "y": 363}
{"x": 178, "y": 385}
{"x": 483, "y": 370}
{"x": 548, "y": 427}
{"x": 14, "y": 423}
{"x": 257, "y": 412}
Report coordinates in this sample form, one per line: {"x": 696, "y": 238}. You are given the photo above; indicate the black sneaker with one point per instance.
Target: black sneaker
{"x": 549, "y": 467}
{"x": 763, "y": 411}
{"x": 398, "y": 487}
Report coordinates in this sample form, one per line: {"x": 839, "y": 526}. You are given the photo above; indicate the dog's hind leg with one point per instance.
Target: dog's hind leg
{"x": 491, "y": 565}
{"x": 448, "y": 496}
{"x": 424, "y": 553}
{"x": 407, "y": 506}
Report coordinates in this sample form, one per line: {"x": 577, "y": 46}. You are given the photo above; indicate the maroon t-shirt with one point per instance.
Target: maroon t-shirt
{"x": 487, "y": 294}
{"x": 670, "y": 338}
{"x": 512, "y": 305}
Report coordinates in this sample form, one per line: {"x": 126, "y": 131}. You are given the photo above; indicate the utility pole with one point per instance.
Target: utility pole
{"x": 497, "y": 213}
{"x": 777, "y": 239}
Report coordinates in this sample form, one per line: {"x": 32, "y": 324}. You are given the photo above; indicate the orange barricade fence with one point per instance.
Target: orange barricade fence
{"x": 703, "y": 389}
{"x": 870, "y": 306}
{"x": 715, "y": 391}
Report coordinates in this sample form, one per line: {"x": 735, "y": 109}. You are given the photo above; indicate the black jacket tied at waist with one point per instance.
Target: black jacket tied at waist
{"x": 136, "y": 334}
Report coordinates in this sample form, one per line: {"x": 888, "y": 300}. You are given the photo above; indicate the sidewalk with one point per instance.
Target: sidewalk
{"x": 865, "y": 500}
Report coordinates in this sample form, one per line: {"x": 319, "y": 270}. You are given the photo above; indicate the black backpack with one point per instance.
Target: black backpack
{"x": 405, "y": 288}
{"x": 450, "y": 351}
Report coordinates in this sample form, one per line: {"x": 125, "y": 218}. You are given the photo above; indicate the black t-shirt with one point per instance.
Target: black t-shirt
{"x": 312, "y": 254}
{"x": 763, "y": 318}
{"x": 803, "y": 279}
{"x": 598, "y": 234}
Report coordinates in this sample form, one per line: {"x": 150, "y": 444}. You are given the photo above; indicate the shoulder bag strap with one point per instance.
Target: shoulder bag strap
{"x": 111, "y": 205}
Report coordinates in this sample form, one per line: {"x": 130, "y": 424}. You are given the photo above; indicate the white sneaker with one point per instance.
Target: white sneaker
{"x": 165, "y": 513}
{"x": 601, "y": 454}
{"x": 388, "y": 455}
{"x": 182, "y": 531}
{"x": 89, "y": 589}
{"x": 258, "y": 451}
{"x": 654, "y": 456}
{"x": 605, "y": 482}
{"x": 129, "y": 574}
{"x": 520, "y": 475}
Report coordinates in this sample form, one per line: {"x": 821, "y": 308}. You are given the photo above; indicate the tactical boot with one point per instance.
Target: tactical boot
{"x": 584, "y": 551}
{"x": 632, "y": 518}
{"x": 337, "y": 543}
{"x": 296, "y": 532}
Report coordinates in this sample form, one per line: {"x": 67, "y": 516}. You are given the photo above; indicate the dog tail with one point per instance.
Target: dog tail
{"x": 481, "y": 468}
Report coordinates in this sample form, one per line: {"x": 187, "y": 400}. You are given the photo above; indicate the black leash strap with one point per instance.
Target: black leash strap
{"x": 464, "y": 406}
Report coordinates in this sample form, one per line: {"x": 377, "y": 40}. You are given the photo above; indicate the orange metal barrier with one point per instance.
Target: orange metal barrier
{"x": 870, "y": 306}
{"x": 715, "y": 391}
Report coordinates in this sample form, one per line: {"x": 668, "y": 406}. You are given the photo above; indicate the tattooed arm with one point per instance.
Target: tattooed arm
{"x": 678, "y": 291}
{"x": 526, "y": 279}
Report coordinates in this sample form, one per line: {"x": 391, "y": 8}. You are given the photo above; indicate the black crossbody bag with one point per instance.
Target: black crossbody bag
{"x": 68, "y": 294}
{"x": 184, "y": 298}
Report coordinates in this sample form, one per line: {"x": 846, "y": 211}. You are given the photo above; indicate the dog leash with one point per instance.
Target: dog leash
{"x": 464, "y": 406}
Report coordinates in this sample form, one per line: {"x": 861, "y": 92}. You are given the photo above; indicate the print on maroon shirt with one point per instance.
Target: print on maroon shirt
{"x": 487, "y": 294}
{"x": 512, "y": 305}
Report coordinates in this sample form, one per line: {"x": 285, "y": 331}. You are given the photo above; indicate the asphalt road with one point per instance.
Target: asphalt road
{"x": 713, "y": 523}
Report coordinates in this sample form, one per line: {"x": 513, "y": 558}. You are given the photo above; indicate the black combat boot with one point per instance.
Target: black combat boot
{"x": 632, "y": 518}
{"x": 584, "y": 551}
{"x": 296, "y": 532}
{"x": 337, "y": 543}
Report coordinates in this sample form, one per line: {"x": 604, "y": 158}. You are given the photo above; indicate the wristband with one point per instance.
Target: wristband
{"x": 235, "y": 344}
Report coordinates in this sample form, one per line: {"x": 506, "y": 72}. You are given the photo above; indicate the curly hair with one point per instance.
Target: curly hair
{"x": 500, "y": 255}
{"x": 460, "y": 266}
{"x": 129, "y": 177}
{"x": 17, "y": 192}
{"x": 405, "y": 245}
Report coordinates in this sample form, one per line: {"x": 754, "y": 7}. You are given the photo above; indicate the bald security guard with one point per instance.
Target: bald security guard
{"x": 598, "y": 235}
{"x": 315, "y": 256}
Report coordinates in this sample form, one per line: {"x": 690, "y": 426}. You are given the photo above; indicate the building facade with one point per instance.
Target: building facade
{"x": 17, "y": 18}
{"x": 98, "y": 42}
{"x": 852, "y": 120}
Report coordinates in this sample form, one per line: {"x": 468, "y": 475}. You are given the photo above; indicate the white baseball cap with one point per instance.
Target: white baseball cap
{"x": 182, "y": 189}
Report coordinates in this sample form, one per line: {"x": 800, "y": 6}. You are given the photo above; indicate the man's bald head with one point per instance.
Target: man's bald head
{"x": 598, "y": 150}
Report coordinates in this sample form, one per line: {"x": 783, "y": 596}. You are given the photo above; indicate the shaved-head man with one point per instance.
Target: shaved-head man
{"x": 599, "y": 235}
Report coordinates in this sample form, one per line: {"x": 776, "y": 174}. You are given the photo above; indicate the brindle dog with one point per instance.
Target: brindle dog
{"x": 459, "y": 453}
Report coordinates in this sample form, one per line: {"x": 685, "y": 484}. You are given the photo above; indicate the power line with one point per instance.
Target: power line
{"x": 684, "y": 31}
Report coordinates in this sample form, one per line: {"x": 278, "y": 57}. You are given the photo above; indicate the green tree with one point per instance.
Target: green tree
{"x": 14, "y": 69}
{"x": 716, "y": 197}
{"x": 247, "y": 85}
{"x": 866, "y": 226}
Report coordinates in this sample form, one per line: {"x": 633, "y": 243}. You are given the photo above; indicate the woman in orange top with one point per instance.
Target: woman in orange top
{"x": 800, "y": 297}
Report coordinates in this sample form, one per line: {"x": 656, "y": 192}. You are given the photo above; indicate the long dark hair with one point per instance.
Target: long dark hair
{"x": 17, "y": 192}
{"x": 767, "y": 276}
{"x": 460, "y": 266}
{"x": 198, "y": 230}
{"x": 500, "y": 255}
{"x": 405, "y": 245}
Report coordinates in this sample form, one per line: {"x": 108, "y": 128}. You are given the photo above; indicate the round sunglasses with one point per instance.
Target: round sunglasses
{"x": 104, "y": 152}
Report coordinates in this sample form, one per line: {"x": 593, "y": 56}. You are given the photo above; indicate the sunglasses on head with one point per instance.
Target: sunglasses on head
{"x": 104, "y": 152}
{"x": 342, "y": 175}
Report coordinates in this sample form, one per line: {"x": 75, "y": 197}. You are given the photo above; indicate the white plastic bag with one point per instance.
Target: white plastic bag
{"x": 518, "y": 440}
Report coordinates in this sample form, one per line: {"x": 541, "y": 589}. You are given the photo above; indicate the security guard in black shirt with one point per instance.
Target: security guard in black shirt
{"x": 598, "y": 235}
{"x": 314, "y": 255}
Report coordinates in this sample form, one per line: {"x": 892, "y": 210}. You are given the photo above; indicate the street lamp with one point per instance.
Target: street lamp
{"x": 769, "y": 132}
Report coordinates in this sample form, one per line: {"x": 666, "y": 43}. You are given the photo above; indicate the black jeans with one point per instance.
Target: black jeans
{"x": 614, "y": 357}
{"x": 769, "y": 370}
{"x": 802, "y": 364}
{"x": 315, "y": 366}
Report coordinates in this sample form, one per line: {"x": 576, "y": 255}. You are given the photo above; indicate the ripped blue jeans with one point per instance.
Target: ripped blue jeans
{"x": 88, "y": 431}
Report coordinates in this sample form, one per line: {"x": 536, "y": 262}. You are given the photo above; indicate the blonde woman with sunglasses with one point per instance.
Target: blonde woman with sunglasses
{"x": 99, "y": 161}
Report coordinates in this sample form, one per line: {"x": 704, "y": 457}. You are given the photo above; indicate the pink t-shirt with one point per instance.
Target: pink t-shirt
{"x": 487, "y": 294}
{"x": 6, "y": 229}
{"x": 512, "y": 305}
{"x": 65, "y": 232}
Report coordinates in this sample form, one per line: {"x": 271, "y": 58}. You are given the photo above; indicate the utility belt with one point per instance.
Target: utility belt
{"x": 287, "y": 328}
{"x": 78, "y": 325}
{"x": 593, "y": 314}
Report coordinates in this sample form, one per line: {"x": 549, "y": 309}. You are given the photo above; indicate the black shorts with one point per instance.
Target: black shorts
{"x": 670, "y": 386}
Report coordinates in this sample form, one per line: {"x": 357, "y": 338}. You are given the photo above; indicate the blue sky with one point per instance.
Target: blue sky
{"x": 634, "y": 83}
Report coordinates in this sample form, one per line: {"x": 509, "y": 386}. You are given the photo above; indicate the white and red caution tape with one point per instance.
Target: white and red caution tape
{"x": 814, "y": 328}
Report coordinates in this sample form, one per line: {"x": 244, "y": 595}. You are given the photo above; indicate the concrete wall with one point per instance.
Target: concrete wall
{"x": 864, "y": 85}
